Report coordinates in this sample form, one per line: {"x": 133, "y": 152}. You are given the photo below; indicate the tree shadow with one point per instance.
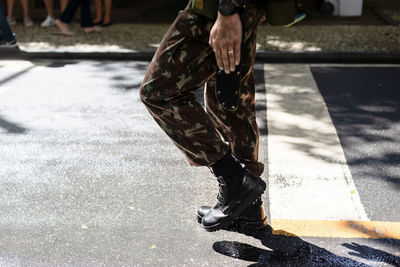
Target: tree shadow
{"x": 295, "y": 100}
{"x": 121, "y": 78}
{"x": 282, "y": 249}
{"x": 11, "y": 127}
{"x": 16, "y": 75}
{"x": 364, "y": 104}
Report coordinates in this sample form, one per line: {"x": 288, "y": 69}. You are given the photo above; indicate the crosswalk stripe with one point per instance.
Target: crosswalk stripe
{"x": 337, "y": 229}
{"x": 308, "y": 174}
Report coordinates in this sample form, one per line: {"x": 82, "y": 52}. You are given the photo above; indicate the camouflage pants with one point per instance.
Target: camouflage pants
{"x": 184, "y": 62}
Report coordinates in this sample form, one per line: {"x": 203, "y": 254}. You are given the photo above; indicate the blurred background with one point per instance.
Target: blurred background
{"x": 329, "y": 25}
{"x": 318, "y": 11}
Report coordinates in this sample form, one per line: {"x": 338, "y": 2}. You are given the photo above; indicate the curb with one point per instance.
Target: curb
{"x": 345, "y": 57}
{"x": 262, "y": 56}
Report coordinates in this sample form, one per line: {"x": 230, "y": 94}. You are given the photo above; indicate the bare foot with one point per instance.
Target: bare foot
{"x": 94, "y": 29}
{"x": 63, "y": 27}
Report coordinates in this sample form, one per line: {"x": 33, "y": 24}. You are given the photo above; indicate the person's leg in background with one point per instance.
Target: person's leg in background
{"x": 100, "y": 20}
{"x": 107, "y": 13}
{"x": 49, "y": 7}
{"x": 50, "y": 19}
{"x": 99, "y": 12}
{"x": 10, "y": 13}
{"x": 7, "y": 38}
{"x": 25, "y": 8}
{"x": 69, "y": 12}
{"x": 66, "y": 17}
{"x": 63, "y": 5}
{"x": 86, "y": 18}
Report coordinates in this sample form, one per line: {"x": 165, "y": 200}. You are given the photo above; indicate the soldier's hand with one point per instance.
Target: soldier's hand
{"x": 225, "y": 40}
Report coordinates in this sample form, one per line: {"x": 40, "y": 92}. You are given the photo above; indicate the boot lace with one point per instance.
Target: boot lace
{"x": 222, "y": 191}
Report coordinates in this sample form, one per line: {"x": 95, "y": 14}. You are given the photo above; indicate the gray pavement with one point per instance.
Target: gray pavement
{"x": 364, "y": 106}
{"x": 88, "y": 178}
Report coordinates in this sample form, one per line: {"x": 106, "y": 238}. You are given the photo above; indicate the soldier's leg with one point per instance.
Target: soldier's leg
{"x": 239, "y": 128}
{"x": 183, "y": 62}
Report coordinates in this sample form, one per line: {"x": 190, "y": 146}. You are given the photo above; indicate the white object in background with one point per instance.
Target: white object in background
{"x": 344, "y": 8}
{"x": 350, "y": 8}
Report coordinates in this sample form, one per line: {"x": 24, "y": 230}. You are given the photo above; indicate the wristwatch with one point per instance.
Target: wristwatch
{"x": 229, "y": 8}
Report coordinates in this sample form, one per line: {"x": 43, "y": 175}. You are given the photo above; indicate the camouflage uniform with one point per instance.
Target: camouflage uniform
{"x": 183, "y": 62}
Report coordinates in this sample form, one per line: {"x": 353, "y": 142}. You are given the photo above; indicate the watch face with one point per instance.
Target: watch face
{"x": 227, "y": 9}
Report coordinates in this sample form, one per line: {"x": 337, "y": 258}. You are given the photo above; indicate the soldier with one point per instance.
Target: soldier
{"x": 192, "y": 51}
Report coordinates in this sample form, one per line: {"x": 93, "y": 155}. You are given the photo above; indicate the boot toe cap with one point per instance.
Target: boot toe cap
{"x": 213, "y": 218}
{"x": 203, "y": 210}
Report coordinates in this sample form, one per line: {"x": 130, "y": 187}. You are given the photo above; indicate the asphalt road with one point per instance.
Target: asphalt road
{"x": 364, "y": 104}
{"x": 88, "y": 178}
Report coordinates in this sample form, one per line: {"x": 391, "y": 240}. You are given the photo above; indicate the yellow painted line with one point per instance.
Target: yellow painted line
{"x": 337, "y": 229}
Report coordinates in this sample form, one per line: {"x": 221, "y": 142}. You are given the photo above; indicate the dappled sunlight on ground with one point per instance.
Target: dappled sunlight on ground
{"x": 79, "y": 47}
{"x": 276, "y": 42}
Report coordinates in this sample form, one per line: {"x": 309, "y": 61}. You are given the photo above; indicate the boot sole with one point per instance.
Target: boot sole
{"x": 249, "y": 199}
{"x": 242, "y": 224}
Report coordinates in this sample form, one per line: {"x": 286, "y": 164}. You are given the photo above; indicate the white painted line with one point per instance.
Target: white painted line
{"x": 4, "y": 89}
{"x": 309, "y": 176}
{"x": 261, "y": 104}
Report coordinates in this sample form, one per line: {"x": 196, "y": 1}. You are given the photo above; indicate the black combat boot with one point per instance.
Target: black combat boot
{"x": 252, "y": 218}
{"x": 238, "y": 189}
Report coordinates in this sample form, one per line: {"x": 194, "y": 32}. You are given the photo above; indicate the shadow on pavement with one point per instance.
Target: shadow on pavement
{"x": 282, "y": 248}
{"x": 11, "y": 127}
{"x": 122, "y": 81}
{"x": 16, "y": 75}
{"x": 372, "y": 254}
{"x": 60, "y": 63}
{"x": 364, "y": 106}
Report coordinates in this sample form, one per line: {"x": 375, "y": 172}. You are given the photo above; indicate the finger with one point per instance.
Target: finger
{"x": 225, "y": 60}
{"x": 216, "y": 53}
{"x": 231, "y": 58}
{"x": 219, "y": 59}
{"x": 237, "y": 53}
